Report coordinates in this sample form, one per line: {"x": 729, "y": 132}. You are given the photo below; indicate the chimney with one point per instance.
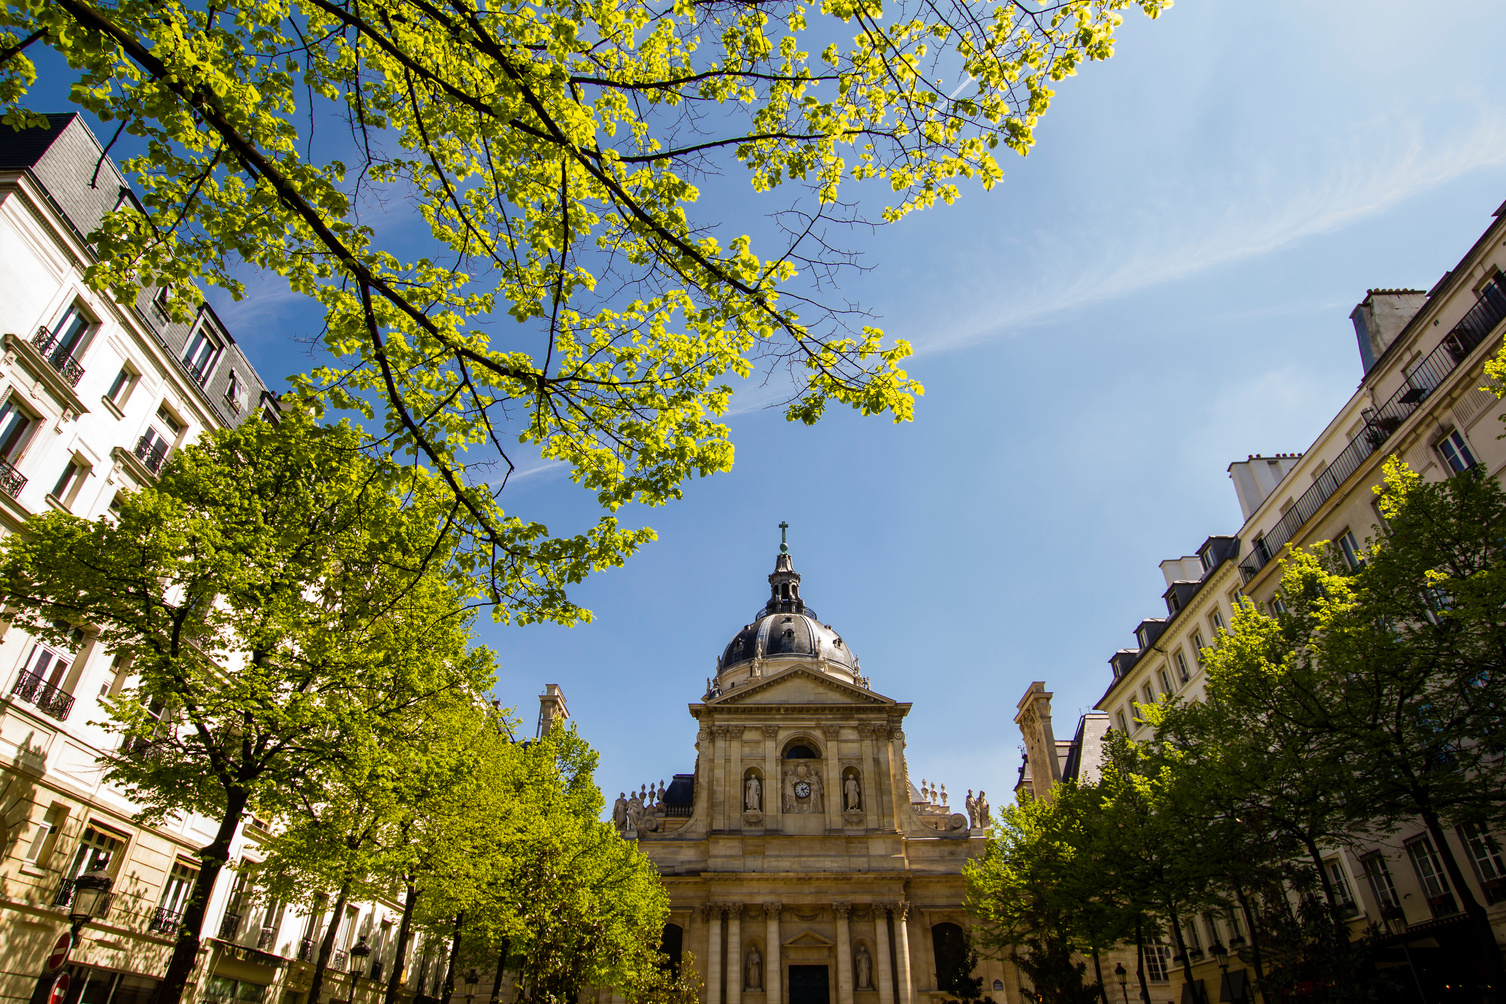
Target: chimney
{"x": 551, "y": 709}
{"x": 1254, "y": 479}
{"x": 1380, "y": 317}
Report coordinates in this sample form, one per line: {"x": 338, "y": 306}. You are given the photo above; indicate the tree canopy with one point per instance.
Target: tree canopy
{"x": 570, "y": 294}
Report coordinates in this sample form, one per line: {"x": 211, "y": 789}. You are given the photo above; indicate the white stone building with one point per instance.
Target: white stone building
{"x": 1422, "y": 356}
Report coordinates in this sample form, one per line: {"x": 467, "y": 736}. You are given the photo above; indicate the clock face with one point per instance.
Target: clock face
{"x": 802, "y": 789}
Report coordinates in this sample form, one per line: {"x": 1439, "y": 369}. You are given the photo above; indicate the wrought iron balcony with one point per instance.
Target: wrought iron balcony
{"x": 58, "y": 357}
{"x": 338, "y": 962}
{"x": 265, "y": 939}
{"x": 306, "y": 950}
{"x": 1422, "y": 380}
{"x": 230, "y": 927}
{"x": 151, "y": 452}
{"x": 165, "y": 921}
{"x": 376, "y": 969}
{"x": 11, "y": 481}
{"x": 51, "y": 700}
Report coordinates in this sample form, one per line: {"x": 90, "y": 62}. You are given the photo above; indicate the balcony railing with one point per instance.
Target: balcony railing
{"x": 1422, "y": 379}
{"x": 151, "y": 452}
{"x": 306, "y": 950}
{"x": 339, "y": 961}
{"x": 265, "y": 939}
{"x": 376, "y": 969}
{"x": 230, "y": 927}
{"x": 11, "y": 481}
{"x": 165, "y": 920}
{"x": 45, "y": 697}
{"x": 672, "y": 811}
{"x": 58, "y": 357}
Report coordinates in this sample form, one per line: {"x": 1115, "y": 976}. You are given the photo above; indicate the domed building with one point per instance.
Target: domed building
{"x": 802, "y": 865}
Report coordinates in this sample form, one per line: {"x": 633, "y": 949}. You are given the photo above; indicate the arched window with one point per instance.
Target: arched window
{"x": 954, "y": 960}
{"x": 674, "y": 935}
{"x": 800, "y": 751}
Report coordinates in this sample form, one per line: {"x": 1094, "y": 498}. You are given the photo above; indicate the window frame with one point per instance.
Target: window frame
{"x": 1180, "y": 658}
{"x": 1349, "y": 546}
{"x": 202, "y": 335}
{"x": 20, "y": 440}
{"x": 1449, "y": 446}
{"x": 1433, "y": 879}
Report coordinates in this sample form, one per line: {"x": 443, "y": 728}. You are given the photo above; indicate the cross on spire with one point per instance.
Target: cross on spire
{"x": 784, "y": 547}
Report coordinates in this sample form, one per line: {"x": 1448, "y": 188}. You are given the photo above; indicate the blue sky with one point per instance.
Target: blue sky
{"x": 1161, "y": 287}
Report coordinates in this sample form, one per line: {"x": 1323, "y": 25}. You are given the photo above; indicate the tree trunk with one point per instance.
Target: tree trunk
{"x": 1244, "y": 906}
{"x": 502, "y": 969}
{"x": 1181, "y": 945}
{"x": 1103, "y": 995}
{"x": 190, "y": 929}
{"x": 1491, "y": 969}
{"x": 1140, "y": 958}
{"x": 1323, "y": 879}
{"x": 327, "y": 945}
{"x": 400, "y": 954}
{"x": 449, "y": 976}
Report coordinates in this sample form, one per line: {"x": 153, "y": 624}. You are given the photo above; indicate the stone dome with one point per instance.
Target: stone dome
{"x": 787, "y": 629}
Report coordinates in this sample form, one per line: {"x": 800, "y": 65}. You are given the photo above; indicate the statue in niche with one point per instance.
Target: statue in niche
{"x": 619, "y": 810}
{"x": 818, "y": 793}
{"x": 852, "y": 793}
{"x": 864, "y": 966}
{"x": 754, "y": 969}
{"x": 753, "y": 795}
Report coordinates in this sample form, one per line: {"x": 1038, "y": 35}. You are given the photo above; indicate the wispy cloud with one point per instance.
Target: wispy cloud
{"x": 1232, "y": 215}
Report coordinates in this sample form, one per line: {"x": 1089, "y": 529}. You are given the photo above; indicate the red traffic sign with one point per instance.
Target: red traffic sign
{"x": 59, "y": 989}
{"x": 60, "y": 952}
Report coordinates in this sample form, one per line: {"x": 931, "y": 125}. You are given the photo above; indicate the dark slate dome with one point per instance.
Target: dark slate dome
{"x": 786, "y": 628}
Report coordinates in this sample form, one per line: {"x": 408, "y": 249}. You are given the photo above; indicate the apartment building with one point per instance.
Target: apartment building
{"x": 94, "y": 397}
{"x": 1422, "y": 357}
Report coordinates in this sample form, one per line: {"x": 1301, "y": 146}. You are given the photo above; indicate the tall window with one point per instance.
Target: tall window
{"x": 236, "y": 394}
{"x": 70, "y": 333}
{"x": 47, "y": 665}
{"x": 203, "y": 350}
{"x": 121, "y": 387}
{"x": 1381, "y": 886}
{"x": 1182, "y": 661}
{"x": 1485, "y": 852}
{"x": 97, "y": 848}
{"x": 1430, "y": 873}
{"x": 1158, "y": 963}
{"x": 1456, "y": 452}
{"x": 1217, "y": 620}
{"x": 1342, "y": 894}
{"x": 1351, "y": 549}
{"x": 1150, "y": 696}
{"x": 1197, "y": 647}
{"x": 174, "y": 896}
{"x": 15, "y": 425}
{"x": 75, "y": 472}
{"x": 1166, "y": 686}
{"x": 1123, "y": 721}
{"x": 45, "y": 838}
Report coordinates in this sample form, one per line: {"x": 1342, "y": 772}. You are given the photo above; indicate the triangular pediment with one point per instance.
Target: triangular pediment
{"x": 798, "y": 685}
{"x": 808, "y": 939}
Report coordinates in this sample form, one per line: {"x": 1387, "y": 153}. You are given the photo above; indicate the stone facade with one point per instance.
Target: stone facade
{"x": 802, "y": 865}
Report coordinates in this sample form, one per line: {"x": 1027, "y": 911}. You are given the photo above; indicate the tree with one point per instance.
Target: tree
{"x": 285, "y": 603}
{"x": 569, "y": 283}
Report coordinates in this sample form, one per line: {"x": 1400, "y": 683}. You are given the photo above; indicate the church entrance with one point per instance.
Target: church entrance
{"x": 808, "y": 985}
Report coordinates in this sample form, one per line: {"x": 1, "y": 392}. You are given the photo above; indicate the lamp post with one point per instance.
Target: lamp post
{"x": 1122, "y": 975}
{"x": 358, "y": 956}
{"x": 471, "y": 979}
{"x": 91, "y": 896}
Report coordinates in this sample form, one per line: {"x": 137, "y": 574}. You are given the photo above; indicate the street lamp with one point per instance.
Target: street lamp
{"x": 1122, "y": 975}
{"x": 471, "y": 979}
{"x": 91, "y": 896}
{"x": 1220, "y": 953}
{"x": 358, "y": 955}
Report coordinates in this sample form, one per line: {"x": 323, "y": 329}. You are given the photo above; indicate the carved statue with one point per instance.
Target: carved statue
{"x": 864, "y": 967}
{"x": 634, "y": 812}
{"x": 971, "y": 804}
{"x": 818, "y": 793}
{"x": 753, "y": 796}
{"x": 789, "y": 789}
{"x": 755, "y": 970}
{"x": 619, "y": 810}
{"x": 852, "y": 792}
{"x": 982, "y": 809}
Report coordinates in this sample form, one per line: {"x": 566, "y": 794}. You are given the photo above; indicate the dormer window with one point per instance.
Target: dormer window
{"x": 1172, "y": 603}
{"x": 1205, "y": 558}
{"x": 1143, "y": 635}
{"x": 203, "y": 350}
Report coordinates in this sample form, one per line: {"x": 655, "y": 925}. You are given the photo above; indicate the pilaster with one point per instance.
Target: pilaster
{"x": 844, "y": 954}
{"x": 773, "y": 974}
{"x": 735, "y": 953}
{"x": 713, "y": 915}
{"x": 772, "y": 805}
{"x": 902, "y": 953}
{"x": 881, "y": 936}
{"x": 831, "y": 766}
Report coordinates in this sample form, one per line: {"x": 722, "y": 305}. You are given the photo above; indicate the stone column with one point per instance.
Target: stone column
{"x": 902, "y": 953}
{"x": 881, "y": 934}
{"x": 735, "y": 784}
{"x": 735, "y": 954}
{"x": 713, "y": 915}
{"x": 844, "y": 955}
{"x": 873, "y": 804}
{"x": 726, "y": 788}
{"x": 772, "y": 787}
{"x": 832, "y": 779}
{"x": 773, "y": 964}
